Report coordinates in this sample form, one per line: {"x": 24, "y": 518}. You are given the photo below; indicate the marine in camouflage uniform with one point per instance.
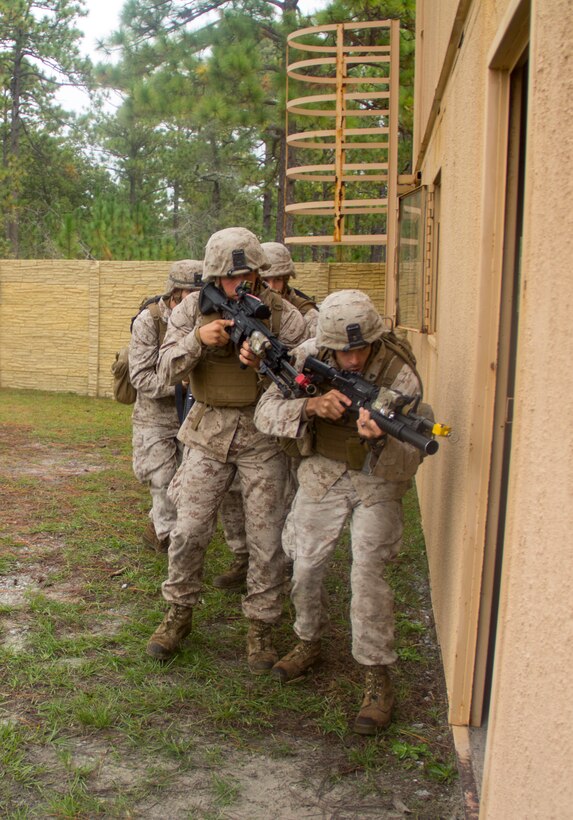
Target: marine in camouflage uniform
{"x": 222, "y": 442}
{"x": 277, "y": 277}
{"x": 156, "y": 450}
{"x": 351, "y": 470}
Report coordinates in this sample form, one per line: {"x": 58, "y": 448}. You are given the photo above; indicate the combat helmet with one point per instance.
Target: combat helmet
{"x": 280, "y": 259}
{"x": 185, "y": 274}
{"x": 348, "y": 319}
{"x": 233, "y": 252}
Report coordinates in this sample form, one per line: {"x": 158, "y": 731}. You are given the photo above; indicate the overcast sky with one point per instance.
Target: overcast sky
{"x": 102, "y": 19}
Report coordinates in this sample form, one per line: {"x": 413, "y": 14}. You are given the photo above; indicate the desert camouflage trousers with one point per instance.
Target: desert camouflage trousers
{"x": 310, "y": 535}
{"x": 156, "y": 457}
{"x": 202, "y": 483}
{"x": 232, "y": 514}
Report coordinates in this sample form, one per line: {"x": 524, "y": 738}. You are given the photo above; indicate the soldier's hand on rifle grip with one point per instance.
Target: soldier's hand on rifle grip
{"x": 247, "y": 357}
{"x": 214, "y": 334}
{"x": 367, "y": 428}
{"x": 331, "y": 405}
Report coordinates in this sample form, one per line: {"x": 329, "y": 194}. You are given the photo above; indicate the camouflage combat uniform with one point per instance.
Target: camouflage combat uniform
{"x": 156, "y": 450}
{"x": 222, "y": 441}
{"x": 232, "y": 515}
{"x": 306, "y": 306}
{"x": 282, "y": 267}
{"x": 329, "y": 492}
{"x": 232, "y": 512}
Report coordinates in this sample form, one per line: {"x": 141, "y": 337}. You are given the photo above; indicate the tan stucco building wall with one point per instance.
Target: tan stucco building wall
{"x": 62, "y": 321}
{"x": 466, "y": 53}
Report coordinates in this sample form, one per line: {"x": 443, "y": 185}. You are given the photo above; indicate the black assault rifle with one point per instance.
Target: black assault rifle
{"x": 385, "y": 406}
{"x": 247, "y": 313}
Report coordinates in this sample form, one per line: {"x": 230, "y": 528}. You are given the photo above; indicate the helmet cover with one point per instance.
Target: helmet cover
{"x": 348, "y": 319}
{"x": 185, "y": 274}
{"x": 280, "y": 259}
{"x": 233, "y": 252}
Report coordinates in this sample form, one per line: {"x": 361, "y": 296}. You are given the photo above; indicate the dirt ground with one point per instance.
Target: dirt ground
{"x": 288, "y": 772}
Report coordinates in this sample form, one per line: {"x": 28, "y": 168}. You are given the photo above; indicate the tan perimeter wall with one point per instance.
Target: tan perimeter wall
{"x": 527, "y": 773}
{"x": 61, "y": 321}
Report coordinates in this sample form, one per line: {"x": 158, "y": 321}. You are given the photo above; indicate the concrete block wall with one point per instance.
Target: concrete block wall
{"x": 318, "y": 279}
{"x": 62, "y": 321}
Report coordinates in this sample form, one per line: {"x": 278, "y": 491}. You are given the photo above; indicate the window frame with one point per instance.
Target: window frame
{"x": 425, "y": 277}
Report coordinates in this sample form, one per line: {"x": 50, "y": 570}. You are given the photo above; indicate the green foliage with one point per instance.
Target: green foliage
{"x": 196, "y": 143}
{"x": 113, "y": 230}
{"x": 442, "y": 772}
{"x": 416, "y": 755}
{"x": 38, "y": 53}
{"x": 409, "y": 752}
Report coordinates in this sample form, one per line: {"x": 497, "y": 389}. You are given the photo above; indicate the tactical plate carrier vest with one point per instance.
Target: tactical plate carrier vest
{"x": 218, "y": 378}
{"x": 340, "y": 440}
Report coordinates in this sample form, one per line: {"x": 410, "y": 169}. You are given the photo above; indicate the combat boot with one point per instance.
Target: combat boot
{"x": 150, "y": 539}
{"x": 376, "y": 710}
{"x": 298, "y": 660}
{"x": 235, "y": 577}
{"x": 170, "y": 633}
{"x": 261, "y": 654}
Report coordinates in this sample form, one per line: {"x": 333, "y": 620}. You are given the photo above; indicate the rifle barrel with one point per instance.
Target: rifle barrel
{"x": 398, "y": 427}
{"x": 362, "y": 394}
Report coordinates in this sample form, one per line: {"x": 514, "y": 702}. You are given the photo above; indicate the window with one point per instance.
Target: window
{"x": 417, "y": 259}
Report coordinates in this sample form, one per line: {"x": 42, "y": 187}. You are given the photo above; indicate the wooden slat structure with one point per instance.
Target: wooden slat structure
{"x": 357, "y": 165}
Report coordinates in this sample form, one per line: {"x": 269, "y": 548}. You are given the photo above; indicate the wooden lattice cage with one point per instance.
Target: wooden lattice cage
{"x": 355, "y": 172}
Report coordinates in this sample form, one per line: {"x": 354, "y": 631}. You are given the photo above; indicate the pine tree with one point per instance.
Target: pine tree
{"x": 38, "y": 53}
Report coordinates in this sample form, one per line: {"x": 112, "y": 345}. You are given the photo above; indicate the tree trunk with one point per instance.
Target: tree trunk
{"x": 12, "y": 226}
{"x": 267, "y": 194}
{"x": 132, "y": 177}
{"x": 176, "y": 195}
{"x": 281, "y": 190}
{"x": 216, "y": 204}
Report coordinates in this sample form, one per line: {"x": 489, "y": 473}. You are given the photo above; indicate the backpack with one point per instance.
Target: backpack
{"x": 123, "y": 390}
{"x": 400, "y": 345}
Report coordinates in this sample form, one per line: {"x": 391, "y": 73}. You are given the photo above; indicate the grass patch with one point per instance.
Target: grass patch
{"x": 88, "y": 599}
{"x": 226, "y": 791}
